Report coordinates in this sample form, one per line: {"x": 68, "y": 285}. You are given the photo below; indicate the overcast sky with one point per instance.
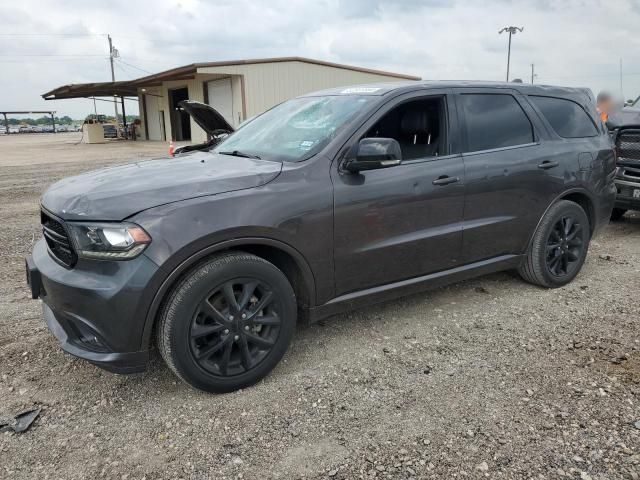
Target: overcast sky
{"x": 573, "y": 42}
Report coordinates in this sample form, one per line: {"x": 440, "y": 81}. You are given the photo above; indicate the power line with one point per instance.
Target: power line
{"x": 48, "y": 55}
{"x": 131, "y": 73}
{"x": 119, "y": 67}
{"x": 133, "y": 66}
{"x": 54, "y": 60}
{"x": 53, "y": 34}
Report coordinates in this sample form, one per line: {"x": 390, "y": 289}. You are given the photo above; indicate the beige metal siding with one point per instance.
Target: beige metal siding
{"x": 258, "y": 87}
{"x": 267, "y": 84}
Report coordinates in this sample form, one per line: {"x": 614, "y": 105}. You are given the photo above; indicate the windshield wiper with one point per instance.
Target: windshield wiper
{"x": 238, "y": 153}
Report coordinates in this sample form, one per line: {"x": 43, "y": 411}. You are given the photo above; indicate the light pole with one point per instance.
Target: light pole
{"x": 511, "y": 31}
{"x": 533, "y": 74}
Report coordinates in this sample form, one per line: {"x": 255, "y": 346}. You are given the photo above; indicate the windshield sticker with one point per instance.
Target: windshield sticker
{"x": 360, "y": 90}
{"x": 306, "y": 145}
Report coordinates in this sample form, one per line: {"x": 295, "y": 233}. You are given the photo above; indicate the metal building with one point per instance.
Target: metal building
{"x": 237, "y": 89}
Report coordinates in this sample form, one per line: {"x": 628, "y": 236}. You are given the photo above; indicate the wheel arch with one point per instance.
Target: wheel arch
{"x": 577, "y": 195}
{"x": 583, "y": 199}
{"x": 291, "y": 262}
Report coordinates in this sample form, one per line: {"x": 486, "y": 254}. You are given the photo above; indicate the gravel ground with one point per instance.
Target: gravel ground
{"x": 490, "y": 378}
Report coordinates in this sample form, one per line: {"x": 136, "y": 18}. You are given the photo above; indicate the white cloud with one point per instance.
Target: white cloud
{"x": 573, "y": 42}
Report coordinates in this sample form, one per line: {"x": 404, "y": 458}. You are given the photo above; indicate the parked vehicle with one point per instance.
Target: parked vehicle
{"x": 110, "y": 130}
{"x": 325, "y": 203}
{"x": 625, "y": 130}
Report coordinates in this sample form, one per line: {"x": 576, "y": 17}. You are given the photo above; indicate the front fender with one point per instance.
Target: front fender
{"x": 189, "y": 257}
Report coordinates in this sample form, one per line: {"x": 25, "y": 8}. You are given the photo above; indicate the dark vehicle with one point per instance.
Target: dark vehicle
{"x": 327, "y": 202}
{"x": 210, "y": 120}
{"x": 110, "y": 130}
{"x": 625, "y": 129}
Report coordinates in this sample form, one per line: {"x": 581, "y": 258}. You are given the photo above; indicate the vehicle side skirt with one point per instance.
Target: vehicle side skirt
{"x": 391, "y": 291}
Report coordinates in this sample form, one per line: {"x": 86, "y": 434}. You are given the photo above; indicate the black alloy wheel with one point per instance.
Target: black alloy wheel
{"x": 228, "y": 322}
{"x": 564, "y": 246}
{"x": 235, "y": 327}
{"x": 559, "y": 246}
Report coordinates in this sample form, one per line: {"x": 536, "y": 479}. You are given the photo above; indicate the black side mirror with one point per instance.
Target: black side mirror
{"x": 375, "y": 153}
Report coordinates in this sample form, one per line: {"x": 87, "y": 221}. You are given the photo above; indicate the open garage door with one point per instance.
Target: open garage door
{"x": 219, "y": 97}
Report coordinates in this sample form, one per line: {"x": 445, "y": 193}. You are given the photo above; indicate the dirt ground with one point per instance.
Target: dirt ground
{"x": 490, "y": 378}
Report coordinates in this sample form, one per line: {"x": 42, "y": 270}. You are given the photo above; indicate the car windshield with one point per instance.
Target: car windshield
{"x": 294, "y": 130}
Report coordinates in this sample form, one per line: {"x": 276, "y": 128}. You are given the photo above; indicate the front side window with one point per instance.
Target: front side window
{"x": 494, "y": 121}
{"x": 566, "y": 117}
{"x": 417, "y": 125}
{"x": 295, "y": 130}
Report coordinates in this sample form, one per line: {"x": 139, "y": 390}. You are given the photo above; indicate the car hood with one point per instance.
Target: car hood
{"x": 209, "y": 119}
{"x": 627, "y": 117}
{"x": 115, "y": 193}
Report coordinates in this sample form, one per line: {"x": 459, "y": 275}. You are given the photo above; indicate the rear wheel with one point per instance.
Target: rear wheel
{"x": 617, "y": 214}
{"x": 228, "y": 323}
{"x": 559, "y": 246}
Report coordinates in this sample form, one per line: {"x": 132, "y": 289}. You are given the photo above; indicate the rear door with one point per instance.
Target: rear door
{"x": 510, "y": 180}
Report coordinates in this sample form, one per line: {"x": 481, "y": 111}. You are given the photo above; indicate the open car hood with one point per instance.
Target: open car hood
{"x": 207, "y": 117}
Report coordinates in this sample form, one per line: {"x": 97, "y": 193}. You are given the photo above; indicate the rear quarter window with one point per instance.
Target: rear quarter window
{"x": 567, "y": 118}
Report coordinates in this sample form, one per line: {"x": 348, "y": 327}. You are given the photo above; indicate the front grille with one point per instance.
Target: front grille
{"x": 628, "y": 145}
{"x": 58, "y": 240}
{"x": 631, "y": 172}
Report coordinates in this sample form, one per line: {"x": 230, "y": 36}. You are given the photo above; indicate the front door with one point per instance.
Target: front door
{"x": 405, "y": 221}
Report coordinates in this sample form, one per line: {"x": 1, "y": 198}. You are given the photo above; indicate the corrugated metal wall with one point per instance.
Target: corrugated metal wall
{"x": 267, "y": 84}
{"x": 262, "y": 85}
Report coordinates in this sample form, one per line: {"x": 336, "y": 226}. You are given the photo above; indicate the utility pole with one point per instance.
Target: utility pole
{"x": 113, "y": 53}
{"x": 533, "y": 75}
{"x": 510, "y": 31}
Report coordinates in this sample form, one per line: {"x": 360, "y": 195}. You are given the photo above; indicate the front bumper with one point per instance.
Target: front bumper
{"x": 97, "y": 309}
{"x": 624, "y": 198}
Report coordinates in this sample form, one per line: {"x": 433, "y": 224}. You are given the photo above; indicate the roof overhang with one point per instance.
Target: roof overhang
{"x": 130, "y": 88}
{"x": 101, "y": 89}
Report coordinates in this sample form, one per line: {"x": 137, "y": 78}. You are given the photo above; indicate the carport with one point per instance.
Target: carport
{"x": 122, "y": 89}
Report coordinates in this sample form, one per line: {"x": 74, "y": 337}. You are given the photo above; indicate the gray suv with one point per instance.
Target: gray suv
{"x": 327, "y": 202}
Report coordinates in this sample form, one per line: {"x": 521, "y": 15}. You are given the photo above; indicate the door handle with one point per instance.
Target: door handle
{"x": 547, "y": 164}
{"x": 445, "y": 180}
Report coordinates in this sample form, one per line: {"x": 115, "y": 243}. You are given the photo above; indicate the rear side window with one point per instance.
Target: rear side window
{"x": 567, "y": 118}
{"x": 494, "y": 121}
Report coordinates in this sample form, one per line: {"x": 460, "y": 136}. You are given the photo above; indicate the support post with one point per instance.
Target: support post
{"x": 6, "y": 123}
{"x": 53, "y": 122}
{"x": 124, "y": 116}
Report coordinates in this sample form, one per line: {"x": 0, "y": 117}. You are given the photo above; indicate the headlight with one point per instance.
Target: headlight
{"x": 109, "y": 241}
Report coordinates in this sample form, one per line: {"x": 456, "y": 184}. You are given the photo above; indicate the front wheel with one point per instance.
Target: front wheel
{"x": 559, "y": 246}
{"x": 228, "y": 323}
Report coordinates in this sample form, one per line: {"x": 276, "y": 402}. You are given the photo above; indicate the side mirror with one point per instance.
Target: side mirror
{"x": 375, "y": 153}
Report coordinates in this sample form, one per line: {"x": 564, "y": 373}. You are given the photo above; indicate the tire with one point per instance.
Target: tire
{"x": 202, "y": 334}
{"x": 617, "y": 214}
{"x": 545, "y": 263}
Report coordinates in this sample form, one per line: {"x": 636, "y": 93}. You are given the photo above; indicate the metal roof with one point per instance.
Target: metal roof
{"x": 100, "y": 89}
{"x": 129, "y": 87}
